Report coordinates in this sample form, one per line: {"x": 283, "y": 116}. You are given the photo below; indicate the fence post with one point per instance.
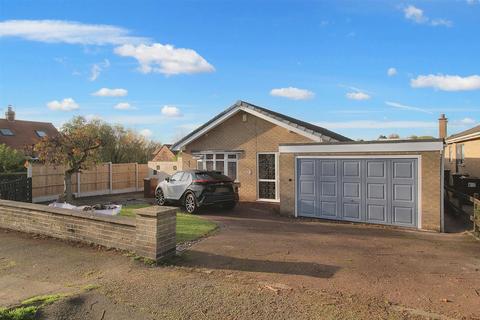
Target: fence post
{"x": 136, "y": 176}
{"x": 78, "y": 184}
{"x": 110, "y": 172}
{"x": 29, "y": 170}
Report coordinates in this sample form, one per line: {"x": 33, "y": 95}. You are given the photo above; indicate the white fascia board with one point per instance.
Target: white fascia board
{"x": 282, "y": 124}
{"x": 364, "y": 147}
{"x": 464, "y": 138}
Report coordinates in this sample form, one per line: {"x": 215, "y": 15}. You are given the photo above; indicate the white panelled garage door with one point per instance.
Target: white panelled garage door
{"x": 365, "y": 190}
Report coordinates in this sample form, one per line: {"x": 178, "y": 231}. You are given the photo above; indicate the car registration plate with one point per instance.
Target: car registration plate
{"x": 222, "y": 189}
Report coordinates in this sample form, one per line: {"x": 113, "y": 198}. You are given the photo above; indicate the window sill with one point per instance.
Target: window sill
{"x": 268, "y": 200}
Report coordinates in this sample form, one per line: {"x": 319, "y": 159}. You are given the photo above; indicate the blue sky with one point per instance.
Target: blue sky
{"x": 360, "y": 68}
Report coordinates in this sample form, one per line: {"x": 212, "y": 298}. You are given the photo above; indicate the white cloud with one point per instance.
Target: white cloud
{"x": 373, "y": 124}
{"x": 471, "y": 2}
{"x": 467, "y": 121}
{"x": 123, "y": 106}
{"x": 146, "y": 133}
{"x": 171, "y": 111}
{"x": 447, "y": 82}
{"x": 391, "y": 72}
{"x": 60, "y": 31}
{"x": 97, "y": 68}
{"x": 292, "y": 93}
{"x": 402, "y": 106}
{"x": 165, "y": 59}
{"x": 106, "y": 92}
{"x": 67, "y": 104}
{"x": 357, "y": 96}
{"x": 417, "y": 15}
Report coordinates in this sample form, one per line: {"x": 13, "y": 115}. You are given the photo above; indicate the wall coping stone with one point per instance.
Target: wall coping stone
{"x": 68, "y": 212}
{"x": 154, "y": 211}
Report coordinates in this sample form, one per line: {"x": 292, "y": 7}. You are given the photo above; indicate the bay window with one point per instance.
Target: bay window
{"x": 224, "y": 162}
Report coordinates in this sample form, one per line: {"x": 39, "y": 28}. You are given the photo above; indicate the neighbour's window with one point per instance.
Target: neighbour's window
{"x": 6, "y": 132}
{"x": 41, "y": 133}
{"x": 226, "y": 163}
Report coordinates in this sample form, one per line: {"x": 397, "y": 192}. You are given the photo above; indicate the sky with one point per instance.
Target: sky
{"x": 163, "y": 68}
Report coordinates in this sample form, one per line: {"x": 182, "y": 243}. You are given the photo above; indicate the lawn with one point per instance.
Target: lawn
{"x": 189, "y": 227}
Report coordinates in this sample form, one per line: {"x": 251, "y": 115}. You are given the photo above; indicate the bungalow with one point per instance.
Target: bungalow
{"x": 309, "y": 171}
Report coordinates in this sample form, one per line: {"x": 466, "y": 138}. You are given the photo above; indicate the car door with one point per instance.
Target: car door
{"x": 172, "y": 186}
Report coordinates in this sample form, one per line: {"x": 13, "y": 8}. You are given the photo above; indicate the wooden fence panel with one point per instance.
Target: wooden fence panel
{"x": 104, "y": 178}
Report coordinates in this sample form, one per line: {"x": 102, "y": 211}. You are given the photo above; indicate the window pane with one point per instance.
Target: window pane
{"x": 219, "y": 166}
{"x": 209, "y": 165}
{"x": 177, "y": 176}
{"x": 232, "y": 156}
{"x": 219, "y": 156}
{"x": 232, "y": 170}
{"x": 209, "y": 156}
{"x": 199, "y": 164}
{"x": 266, "y": 166}
{"x": 266, "y": 190}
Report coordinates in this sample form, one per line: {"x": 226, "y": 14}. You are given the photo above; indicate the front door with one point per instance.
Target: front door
{"x": 267, "y": 176}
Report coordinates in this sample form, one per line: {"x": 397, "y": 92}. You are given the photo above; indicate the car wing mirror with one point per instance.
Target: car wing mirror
{"x": 167, "y": 179}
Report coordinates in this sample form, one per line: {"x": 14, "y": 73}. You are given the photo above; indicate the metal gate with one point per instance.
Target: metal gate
{"x": 373, "y": 190}
{"x": 18, "y": 188}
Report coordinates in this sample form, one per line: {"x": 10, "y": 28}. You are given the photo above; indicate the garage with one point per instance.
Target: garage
{"x": 393, "y": 182}
{"x": 371, "y": 190}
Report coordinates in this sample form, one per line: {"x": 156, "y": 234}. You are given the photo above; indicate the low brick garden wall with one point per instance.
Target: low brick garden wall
{"x": 151, "y": 234}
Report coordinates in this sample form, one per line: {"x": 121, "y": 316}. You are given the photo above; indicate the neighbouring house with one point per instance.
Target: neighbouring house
{"x": 165, "y": 162}
{"x": 22, "y": 135}
{"x": 309, "y": 171}
{"x": 462, "y": 154}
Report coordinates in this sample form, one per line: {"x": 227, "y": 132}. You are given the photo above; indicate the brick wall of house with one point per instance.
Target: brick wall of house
{"x": 431, "y": 184}
{"x": 165, "y": 154}
{"x": 252, "y": 136}
{"x": 471, "y": 165}
{"x": 151, "y": 234}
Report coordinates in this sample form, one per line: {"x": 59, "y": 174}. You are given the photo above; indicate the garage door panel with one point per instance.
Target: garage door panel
{"x": 307, "y": 188}
{"x": 352, "y": 211}
{"x": 376, "y": 169}
{"x": 307, "y": 207}
{"x": 403, "y": 216}
{"x": 351, "y": 190}
{"x": 376, "y": 213}
{"x": 351, "y": 169}
{"x": 376, "y": 191}
{"x": 307, "y": 167}
{"x": 403, "y": 192}
{"x": 329, "y": 189}
{"x": 328, "y": 168}
{"x": 328, "y": 209}
{"x": 402, "y": 170}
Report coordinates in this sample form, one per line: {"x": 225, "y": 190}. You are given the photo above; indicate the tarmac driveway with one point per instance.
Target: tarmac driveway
{"x": 257, "y": 266}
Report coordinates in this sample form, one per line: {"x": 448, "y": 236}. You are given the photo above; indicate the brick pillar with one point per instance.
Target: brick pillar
{"x": 155, "y": 232}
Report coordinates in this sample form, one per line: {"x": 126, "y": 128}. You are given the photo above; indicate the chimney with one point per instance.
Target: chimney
{"x": 10, "y": 114}
{"x": 442, "y": 126}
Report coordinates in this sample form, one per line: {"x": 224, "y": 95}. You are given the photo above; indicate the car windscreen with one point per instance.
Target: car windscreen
{"x": 212, "y": 175}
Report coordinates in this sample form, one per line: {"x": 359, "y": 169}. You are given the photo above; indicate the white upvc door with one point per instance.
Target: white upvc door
{"x": 267, "y": 176}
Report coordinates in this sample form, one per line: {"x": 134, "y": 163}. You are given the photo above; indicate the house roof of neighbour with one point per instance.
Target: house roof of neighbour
{"x": 465, "y": 135}
{"x": 18, "y": 134}
{"x": 312, "y": 131}
{"x": 168, "y": 145}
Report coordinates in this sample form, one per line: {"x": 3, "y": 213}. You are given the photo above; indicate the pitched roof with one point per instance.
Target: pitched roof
{"x": 24, "y": 132}
{"x": 301, "y": 127}
{"x": 460, "y": 135}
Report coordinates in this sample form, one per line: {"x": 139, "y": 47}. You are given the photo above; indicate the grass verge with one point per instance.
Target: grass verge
{"x": 189, "y": 227}
{"x": 28, "y": 309}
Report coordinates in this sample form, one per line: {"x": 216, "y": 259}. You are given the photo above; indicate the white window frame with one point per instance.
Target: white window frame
{"x": 277, "y": 189}
{"x": 203, "y": 160}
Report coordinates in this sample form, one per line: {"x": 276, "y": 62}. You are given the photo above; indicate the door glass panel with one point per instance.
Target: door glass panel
{"x": 232, "y": 170}
{"x": 200, "y": 164}
{"x": 266, "y": 190}
{"x": 266, "y": 166}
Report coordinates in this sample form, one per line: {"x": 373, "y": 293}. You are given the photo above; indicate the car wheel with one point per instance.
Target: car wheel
{"x": 229, "y": 205}
{"x": 190, "y": 203}
{"x": 159, "y": 197}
